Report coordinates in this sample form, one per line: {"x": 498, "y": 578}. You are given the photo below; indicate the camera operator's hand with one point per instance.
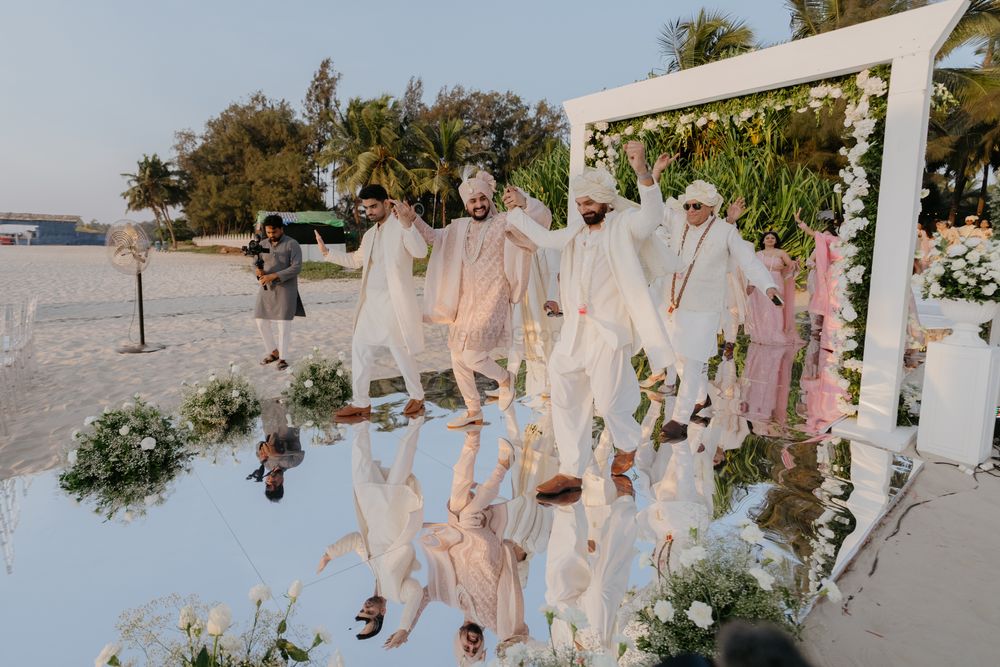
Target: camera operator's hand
{"x": 267, "y": 279}
{"x": 260, "y": 272}
{"x": 404, "y": 212}
{"x": 319, "y": 242}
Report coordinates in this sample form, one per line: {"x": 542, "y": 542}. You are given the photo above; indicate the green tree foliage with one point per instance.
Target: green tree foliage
{"x": 547, "y": 179}
{"x": 254, "y": 155}
{"x": 442, "y": 152}
{"x": 155, "y": 186}
{"x": 709, "y": 36}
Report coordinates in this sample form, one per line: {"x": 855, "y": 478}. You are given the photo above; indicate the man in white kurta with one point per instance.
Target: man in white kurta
{"x": 390, "y": 511}
{"x": 696, "y": 296}
{"x": 387, "y": 314}
{"x": 606, "y": 268}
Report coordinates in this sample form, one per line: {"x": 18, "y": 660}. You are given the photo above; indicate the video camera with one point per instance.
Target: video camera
{"x": 255, "y": 249}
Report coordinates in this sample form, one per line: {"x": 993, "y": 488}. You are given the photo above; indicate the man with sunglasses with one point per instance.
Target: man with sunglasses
{"x": 695, "y": 297}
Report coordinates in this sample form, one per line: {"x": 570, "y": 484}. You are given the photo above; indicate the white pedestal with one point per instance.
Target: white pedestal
{"x": 958, "y": 408}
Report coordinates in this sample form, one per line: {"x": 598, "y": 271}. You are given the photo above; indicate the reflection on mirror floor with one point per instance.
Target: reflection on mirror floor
{"x": 448, "y": 513}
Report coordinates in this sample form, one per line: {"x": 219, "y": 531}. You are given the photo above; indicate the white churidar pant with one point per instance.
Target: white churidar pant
{"x": 362, "y": 361}
{"x": 694, "y": 387}
{"x": 465, "y": 364}
{"x": 284, "y": 336}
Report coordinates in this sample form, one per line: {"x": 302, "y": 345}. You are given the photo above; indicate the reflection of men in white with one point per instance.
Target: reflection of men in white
{"x": 390, "y": 510}
{"x": 280, "y": 302}
{"x": 474, "y": 275}
{"x": 388, "y": 314}
{"x": 696, "y": 296}
{"x": 603, "y": 276}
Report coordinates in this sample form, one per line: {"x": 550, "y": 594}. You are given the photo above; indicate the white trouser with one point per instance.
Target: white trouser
{"x": 461, "y": 500}
{"x": 592, "y": 376}
{"x": 365, "y": 469}
{"x": 465, "y": 364}
{"x": 363, "y": 362}
{"x": 694, "y": 387}
{"x": 284, "y": 336}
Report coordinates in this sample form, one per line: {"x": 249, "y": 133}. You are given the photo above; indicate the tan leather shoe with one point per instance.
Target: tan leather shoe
{"x": 560, "y": 500}
{"x": 413, "y": 406}
{"x": 559, "y": 484}
{"x": 622, "y": 462}
{"x": 674, "y": 431}
{"x": 352, "y": 412}
{"x": 623, "y": 485}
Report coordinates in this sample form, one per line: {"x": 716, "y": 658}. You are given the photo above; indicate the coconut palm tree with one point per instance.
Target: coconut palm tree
{"x": 711, "y": 35}
{"x": 812, "y": 17}
{"x": 156, "y": 186}
{"x": 442, "y": 152}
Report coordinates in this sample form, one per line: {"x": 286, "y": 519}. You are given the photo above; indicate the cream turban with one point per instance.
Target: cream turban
{"x": 704, "y": 192}
{"x": 971, "y": 218}
{"x": 481, "y": 182}
{"x": 599, "y": 185}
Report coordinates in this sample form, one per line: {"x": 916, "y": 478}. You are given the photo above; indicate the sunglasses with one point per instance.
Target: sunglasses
{"x": 696, "y": 206}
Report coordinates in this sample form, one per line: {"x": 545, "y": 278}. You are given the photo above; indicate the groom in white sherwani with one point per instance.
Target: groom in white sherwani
{"x": 608, "y": 260}
{"x": 696, "y": 295}
{"x": 387, "y": 314}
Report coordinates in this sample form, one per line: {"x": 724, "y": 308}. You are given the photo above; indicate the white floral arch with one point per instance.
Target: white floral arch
{"x": 909, "y": 42}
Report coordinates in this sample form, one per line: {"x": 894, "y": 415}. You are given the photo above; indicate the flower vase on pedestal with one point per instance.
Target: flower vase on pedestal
{"x": 967, "y": 316}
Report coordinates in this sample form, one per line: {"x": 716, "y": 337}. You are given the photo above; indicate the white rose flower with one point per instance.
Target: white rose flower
{"x": 574, "y": 617}
{"x": 234, "y": 369}
{"x": 232, "y": 645}
{"x": 236, "y": 393}
{"x": 219, "y": 619}
{"x": 663, "y": 610}
{"x": 601, "y": 126}
{"x": 71, "y": 458}
{"x": 830, "y": 590}
{"x": 700, "y": 614}
{"x": 340, "y": 372}
{"x": 764, "y": 580}
{"x": 958, "y": 264}
{"x": 752, "y": 534}
{"x": 109, "y": 651}
{"x": 259, "y": 594}
{"x": 148, "y": 443}
{"x": 128, "y": 405}
{"x": 89, "y": 420}
{"x": 107, "y": 409}
{"x": 989, "y": 289}
{"x": 124, "y": 430}
{"x": 323, "y": 635}
{"x": 307, "y": 384}
{"x": 689, "y": 557}
{"x": 701, "y": 122}
{"x": 202, "y": 391}
{"x": 190, "y": 425}
{"x": 211, "y": 378}
{"x": 295, "y": 589}
{"x": 341, "y": 356}
{"x": 187, "y": 618}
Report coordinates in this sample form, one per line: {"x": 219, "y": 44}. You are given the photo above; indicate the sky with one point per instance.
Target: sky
{"x": 87, "y": 88}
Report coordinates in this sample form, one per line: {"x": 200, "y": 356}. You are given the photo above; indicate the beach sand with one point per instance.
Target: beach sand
{"x": 200, "y": 306}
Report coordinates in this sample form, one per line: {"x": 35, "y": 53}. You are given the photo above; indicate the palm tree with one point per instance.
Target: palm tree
{"x": 812, "y": 17}
{"x": 442, "y": 150}
{"x": 156, "y": 186}
{"x": 706, "y": 37}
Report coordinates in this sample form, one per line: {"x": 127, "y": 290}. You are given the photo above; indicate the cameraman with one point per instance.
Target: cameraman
{"x": 280, "y": 300}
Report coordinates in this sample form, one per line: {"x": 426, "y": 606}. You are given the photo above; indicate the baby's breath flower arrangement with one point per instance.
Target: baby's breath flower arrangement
{"x": 222, "y": 409}
{"x": 318, "y": 387}
{"x": 124, "y": 459}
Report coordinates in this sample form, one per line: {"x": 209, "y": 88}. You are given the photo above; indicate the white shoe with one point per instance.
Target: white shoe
{"x": 492, "y": 393}
{"x": 653, "y": 380}
{"x": 468, "y": 419}
{"x": 506, "y": 394}
{"x": 508, "y": 451}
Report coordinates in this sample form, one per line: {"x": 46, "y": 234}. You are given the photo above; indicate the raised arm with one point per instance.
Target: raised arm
{"x": 412, "y": 240}
{"x": 350, "y": 542}
{"x": 429, "y": 234}
{"x": 554, "y": 239}
{"x": 350, "y": 260}
{"x": 803, "y": 226}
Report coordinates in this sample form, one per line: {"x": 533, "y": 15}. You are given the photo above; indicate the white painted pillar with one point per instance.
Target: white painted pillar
{"x": 895, "y": 239}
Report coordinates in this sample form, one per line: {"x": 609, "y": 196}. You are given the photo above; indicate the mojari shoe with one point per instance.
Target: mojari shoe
{"x": 413, "y": 407}
{"x": 560, "y": 500}
{"x": 352, "y": 412}
{"x": 492, "y": 393}
{"x": 698, "y": 407}
{"x": 559, "y": 484}
{"x": 623, "y": 485}
{"x": 622, "y": 462}
{"x": 468, "y": 419}
{"x": 506, "y": 395}
{"x": 674, "y": 431}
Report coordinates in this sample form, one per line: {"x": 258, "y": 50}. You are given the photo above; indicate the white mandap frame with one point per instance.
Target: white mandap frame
{"x": 908, "y": 41}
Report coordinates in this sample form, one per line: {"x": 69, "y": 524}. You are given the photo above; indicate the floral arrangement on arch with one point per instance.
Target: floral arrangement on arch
{"x": 752, "y": 121}
{"x": 221, "y": 410}
{"x": 199, "y": 636}
{"x": 683, "y": 609}
{"x": 967, "y": 270}
{"x": 318, "y": 386}
{"x": 124, "y": 459}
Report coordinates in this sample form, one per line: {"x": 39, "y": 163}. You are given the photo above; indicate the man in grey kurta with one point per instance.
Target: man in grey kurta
{"x": 280, "y": 302}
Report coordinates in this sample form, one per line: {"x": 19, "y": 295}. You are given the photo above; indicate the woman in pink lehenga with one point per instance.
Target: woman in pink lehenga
{"x": 819, "y": 377}
{"x": 767, "y": 323}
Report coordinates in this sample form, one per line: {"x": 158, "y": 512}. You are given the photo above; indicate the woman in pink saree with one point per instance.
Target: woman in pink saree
{"x": 768, "y": 324}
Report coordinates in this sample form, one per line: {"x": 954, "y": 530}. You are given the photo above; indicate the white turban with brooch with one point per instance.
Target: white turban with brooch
{"x": 600, "y": 185}
{"x": 704, "y": 192}
{"x": 482, "y": 182}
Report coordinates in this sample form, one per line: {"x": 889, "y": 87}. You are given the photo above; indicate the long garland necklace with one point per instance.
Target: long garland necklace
{"x": 470, "y": 258}
{"x": 675, "y": 301}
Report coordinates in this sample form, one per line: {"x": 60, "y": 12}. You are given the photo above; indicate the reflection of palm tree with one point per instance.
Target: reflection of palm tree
{"x": 687, "y": 43}
{"x": 442, "y": 150}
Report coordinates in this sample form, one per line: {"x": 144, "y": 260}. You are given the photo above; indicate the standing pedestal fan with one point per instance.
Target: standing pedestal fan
{"x": 128, "y": 249}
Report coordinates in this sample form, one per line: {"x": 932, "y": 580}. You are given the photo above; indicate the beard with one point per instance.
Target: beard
{"x": 593, "y": 217}
{"x": 480, "y": 214}
{"x": 376, "y": 218}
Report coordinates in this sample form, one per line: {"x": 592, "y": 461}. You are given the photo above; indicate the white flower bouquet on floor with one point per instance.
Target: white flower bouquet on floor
{"x": 222, "y": 409}
{"x": 967, "y": 270}
{"x": 124, "y": 459}
{"x": 318, "y": 387}
{"x": 209, "y": 638}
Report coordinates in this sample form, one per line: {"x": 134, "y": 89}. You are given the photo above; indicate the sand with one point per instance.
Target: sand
{"x": 199, "y": 306}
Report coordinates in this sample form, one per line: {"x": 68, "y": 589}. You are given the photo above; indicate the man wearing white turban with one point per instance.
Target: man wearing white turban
{"x": 475, "y": 274}
{"x": 695, "y": 297}
{"x": 608, "y": 260}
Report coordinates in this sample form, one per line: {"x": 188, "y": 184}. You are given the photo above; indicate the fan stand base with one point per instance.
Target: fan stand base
{"x": 139, "y": 348}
